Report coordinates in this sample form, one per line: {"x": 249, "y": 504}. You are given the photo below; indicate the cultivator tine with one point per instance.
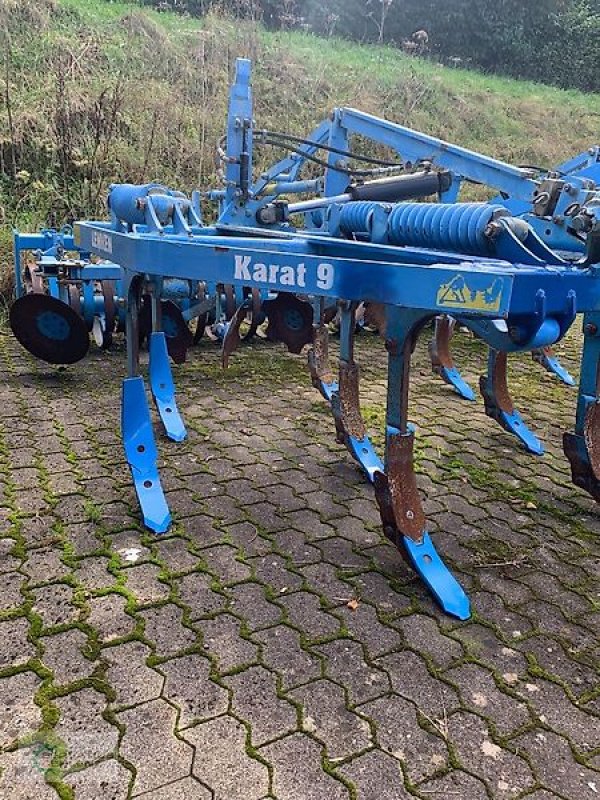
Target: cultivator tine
{"x": 318, "y": 362}
{"x": 582, "y": 447}
{"x": 141, "y": 454}
{"x": 163, "y": 388}
{"x": 545, "y": 356}
{"x": 499, "y": 404}
{"x": 396, "y": 491}
{"x": 442, "y": 362}
{"x": 345, "y": 401}
{"x": 232, "y": 338}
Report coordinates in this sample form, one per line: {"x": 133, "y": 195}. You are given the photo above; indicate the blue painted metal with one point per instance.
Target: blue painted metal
{"x": 553, "y": 365}
{"x": 454, "y": 378}
{"x": 490, "y": 271}
{"x": 141, "y": 454}
{"x": 437, "y": 577}
{"x": 163, "y": 388}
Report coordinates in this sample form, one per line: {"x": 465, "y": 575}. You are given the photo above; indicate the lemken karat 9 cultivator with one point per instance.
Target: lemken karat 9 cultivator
{"x": 515, "y": 272}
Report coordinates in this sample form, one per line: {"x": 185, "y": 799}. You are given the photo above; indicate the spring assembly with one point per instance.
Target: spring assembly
{"x": 461, "y": 227}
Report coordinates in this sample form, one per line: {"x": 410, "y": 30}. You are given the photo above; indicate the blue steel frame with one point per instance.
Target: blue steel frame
{"x": 511, "y": 306}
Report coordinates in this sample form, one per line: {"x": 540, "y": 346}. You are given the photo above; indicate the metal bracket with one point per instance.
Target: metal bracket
{"x": 163, "y": 388}
{"x": 141, "y": 455}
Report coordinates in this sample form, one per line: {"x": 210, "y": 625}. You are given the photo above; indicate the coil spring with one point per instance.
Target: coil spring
{"x": 458, "y": 227}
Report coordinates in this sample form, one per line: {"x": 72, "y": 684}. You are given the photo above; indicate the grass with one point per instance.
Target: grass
{"x": 116, "y": 92}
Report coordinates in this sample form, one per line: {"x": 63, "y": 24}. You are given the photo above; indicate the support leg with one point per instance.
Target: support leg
{"x": 442, "y": 362}
{"x": 545, "y": 356}
{"x": 582, "y": 448}
{"x": 136, "y": 428}
{"x": 161, "y": 377}
{"x": 499, "y": 404}
{"x": 396, "y": 490}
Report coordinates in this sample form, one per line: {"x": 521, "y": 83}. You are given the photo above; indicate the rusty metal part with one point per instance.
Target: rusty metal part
{"x": 500, "y": 396}
{"x": 584, "y": 466}
{"x": 351, "y": 418}
{"x": 232, "y": 338}
{"x": 290, "y": 321}
{"x": 49, "y": 329}
{"x": 591, "y": 434}
{"x": 75, "y": 298}
{"x": 108, "y": 292}
{"x": 402, "y": 482}
{"x": 33, "y": 280}
{"x": 230, "y": 302}
{"x": 374, "y": 317}
{"x": 201, "y": 319}
{"x": 439, "y": 346}
{"x": 318, "y": 357}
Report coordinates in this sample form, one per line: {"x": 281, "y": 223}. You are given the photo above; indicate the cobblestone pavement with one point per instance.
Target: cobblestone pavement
{"x": 223, "y": 661}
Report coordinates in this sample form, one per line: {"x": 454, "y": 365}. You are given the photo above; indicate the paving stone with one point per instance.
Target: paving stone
{"x": 186, "y": 789}
{"x": 305, "y": 613}
{"x": 188, "y": 686}
{"x": 506, "y": 774}
{"x": 93, "y": 574}
{"x": 108, "y": 780}
{"x": 345, "y": 663}
{"x": 271, "y": 569}
{"x": 8, "y": 561}
{"x": 325, "y": 714}
{"x": 480, "y": 694}
{"x": 150, "y": 746}
{"x": 196, "y": 593}
{"x": 282, "y": 652}
{"x": 11, "y": 596}
{"x": 87, "y": 736}
{"x": 128, "y": 547}
{"x": 364, "y": 625}
{"x": 223, "y": 562}
{"x": 376, "y": 776}
{"x": 109, "y": 618}
{"x": 556, "y": 710}
{"x": 411, "y": 680}
{"x": 54, "y": 605}
{"x": 163, "y": 627}
{"x": 144, "y": 582}
{"x": 422, "y": 633}
{"x": 63, "y": 655}
{"x": 15, "y": 649}
{"x": 255, "y": 700}
{"x": 19, "y": 715}
{"x": 221, "y": 637}
{"x": 45, "y": 565}
{"x": 22, "y": 774}
{"x": 457, "y": 784}
{"x": 247, "y": 538}
{"x": 397, "y": 730}
{"x": 297, "y": 771}
{"x": 133, "y": 681}
{"x": 222, "y": 763}
{"x": 248, "y": 600}
{"x": 555, "y": 767}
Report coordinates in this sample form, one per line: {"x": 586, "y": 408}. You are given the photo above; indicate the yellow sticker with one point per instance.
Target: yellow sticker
{"x": 77, "y": 235}
{"x": 458, "y": 294}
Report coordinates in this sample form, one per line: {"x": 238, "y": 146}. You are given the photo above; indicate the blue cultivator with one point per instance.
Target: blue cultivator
{"x": 359, "y": 238}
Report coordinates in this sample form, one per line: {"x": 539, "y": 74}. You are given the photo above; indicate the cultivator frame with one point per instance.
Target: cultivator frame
{"x": 362, "y": 243}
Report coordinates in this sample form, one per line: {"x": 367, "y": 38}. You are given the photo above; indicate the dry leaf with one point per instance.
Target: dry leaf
{"x": 352, "y": 604}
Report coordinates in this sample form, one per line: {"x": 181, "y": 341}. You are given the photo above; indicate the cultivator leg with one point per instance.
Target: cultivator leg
{"x": 136, "y": 426}
{"x": 442, "y": 362}
{"x": 582, "y": 448}
{"x": 395, "y": 484}
{"x": 344, "y": 394}
{"x": 396, "y": 489}
{"x": 499, "y": 404}
{"x": 546, "y": 358}
{"x": 161, "y": 377}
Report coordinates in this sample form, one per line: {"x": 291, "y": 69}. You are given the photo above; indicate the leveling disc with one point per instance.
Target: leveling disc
{"x": 49, "y": 329}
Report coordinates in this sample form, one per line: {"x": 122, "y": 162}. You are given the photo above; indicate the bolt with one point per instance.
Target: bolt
{"x": 590, "y": 329}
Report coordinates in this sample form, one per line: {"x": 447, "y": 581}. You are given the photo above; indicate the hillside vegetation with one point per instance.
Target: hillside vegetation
{"x": 96, "y": 91}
